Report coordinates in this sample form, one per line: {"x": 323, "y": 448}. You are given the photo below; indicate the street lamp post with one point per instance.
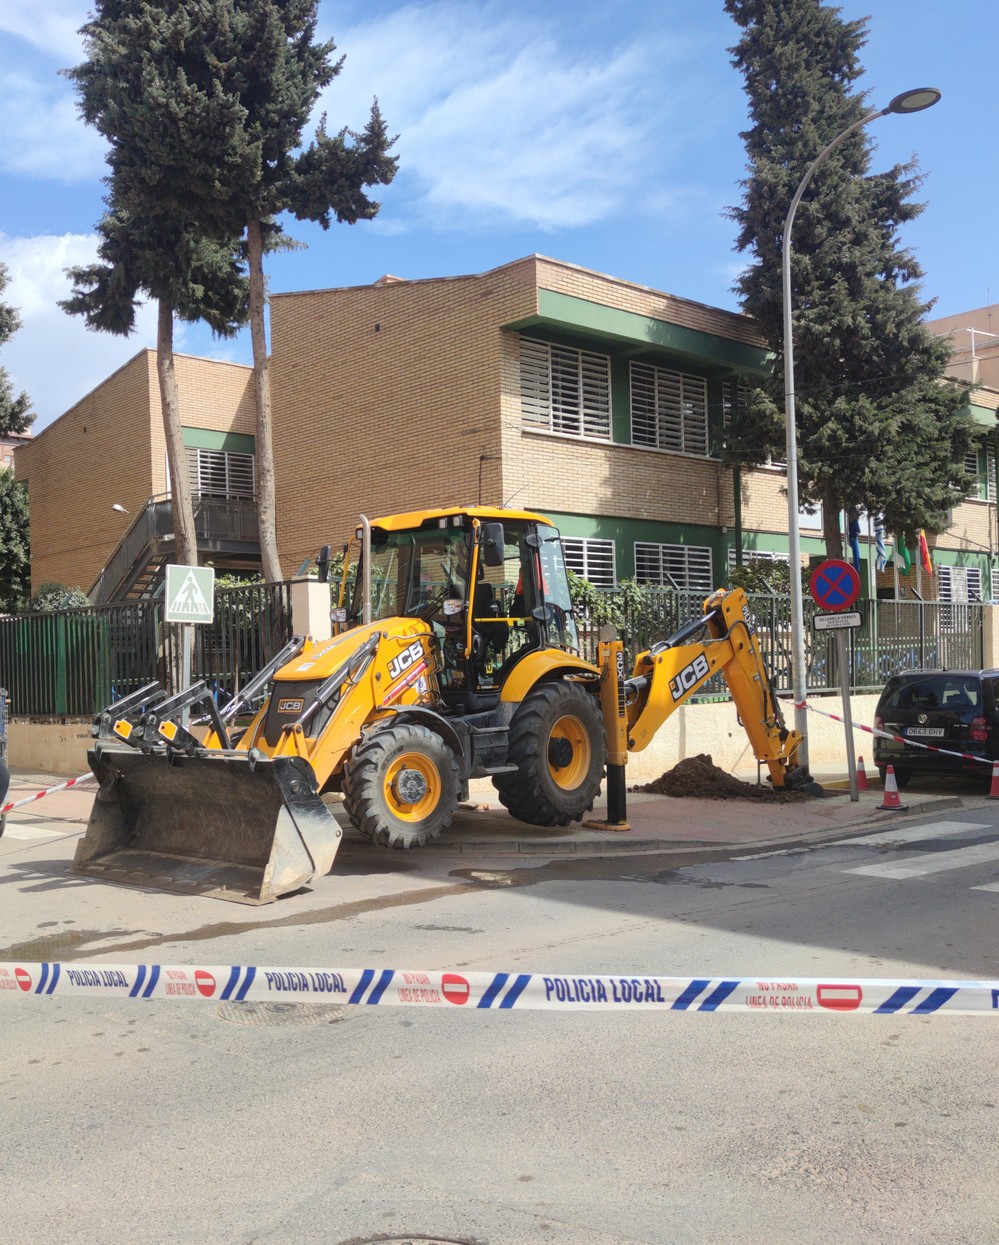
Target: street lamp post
{"x": 909, "y": 101}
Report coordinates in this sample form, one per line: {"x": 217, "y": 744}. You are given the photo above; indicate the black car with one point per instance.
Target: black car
{"x": 955, "y": 710}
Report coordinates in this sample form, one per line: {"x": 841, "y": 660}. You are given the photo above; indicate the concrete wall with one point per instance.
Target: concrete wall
{"x": 713, "y": 729}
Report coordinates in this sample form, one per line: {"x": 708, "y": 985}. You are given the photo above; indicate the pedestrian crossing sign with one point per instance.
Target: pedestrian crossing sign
{"x": 190, "y": 594}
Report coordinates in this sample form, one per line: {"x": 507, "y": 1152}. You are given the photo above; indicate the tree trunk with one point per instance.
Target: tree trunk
{"x": 266, "y": 505}
{"x": 832, "y": 532}
{"x": 180, "y": 487}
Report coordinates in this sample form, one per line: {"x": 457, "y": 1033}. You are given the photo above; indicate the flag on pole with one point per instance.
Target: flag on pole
{"x": 854, "y": 530}
{"x": 880, "y": 548}
{"x": 903, "y": 553}
{"x": 924, "y": 553}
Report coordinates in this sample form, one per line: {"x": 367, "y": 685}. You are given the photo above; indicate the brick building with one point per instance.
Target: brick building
{"x": 539, "y": 384}
{"x": 109, "y": 449}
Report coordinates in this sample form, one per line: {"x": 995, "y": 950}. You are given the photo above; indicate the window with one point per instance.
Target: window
{"x": 958, "y": 586}
{"x": 592, "y": 559}
{"x": 685, "y": 566}
{"x": 669, "y": 410}
{"x": 217, "y": 473}
{"x": 984, "y": 486}
{"x": 734, "y": 393}
{"x": 565, "y": 390}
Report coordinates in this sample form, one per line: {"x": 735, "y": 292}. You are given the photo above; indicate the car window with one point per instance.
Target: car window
{"x": 954, "y": 692}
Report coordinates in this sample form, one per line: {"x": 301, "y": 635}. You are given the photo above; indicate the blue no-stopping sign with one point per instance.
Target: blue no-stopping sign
{"x": 834, "y": 585}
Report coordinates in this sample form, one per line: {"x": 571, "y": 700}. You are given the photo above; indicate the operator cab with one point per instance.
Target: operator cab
{"x": 492, "y": 584}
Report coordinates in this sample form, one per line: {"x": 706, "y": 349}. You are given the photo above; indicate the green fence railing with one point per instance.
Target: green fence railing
{"x": 74, "y": 663}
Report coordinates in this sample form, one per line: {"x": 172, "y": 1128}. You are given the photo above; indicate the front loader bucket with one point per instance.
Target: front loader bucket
{"x": 224, "y": 826}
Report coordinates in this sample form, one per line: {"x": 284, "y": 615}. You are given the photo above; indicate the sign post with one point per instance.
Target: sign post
{"x": 835, "y": 586}
{"x": 190, "y": 599}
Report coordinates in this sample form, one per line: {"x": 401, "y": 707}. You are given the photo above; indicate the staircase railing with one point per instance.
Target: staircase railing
{"x": 216, "y": 520}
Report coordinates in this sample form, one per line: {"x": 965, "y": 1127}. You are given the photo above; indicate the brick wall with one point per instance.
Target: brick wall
{"x": 386, "y": 396}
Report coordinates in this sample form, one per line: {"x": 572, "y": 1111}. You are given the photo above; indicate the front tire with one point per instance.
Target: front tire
{"x": 401, "y": 786}
{"x": 559, "y": 746}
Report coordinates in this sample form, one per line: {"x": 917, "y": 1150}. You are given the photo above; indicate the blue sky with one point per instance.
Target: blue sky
{"x": 601, "y": 132}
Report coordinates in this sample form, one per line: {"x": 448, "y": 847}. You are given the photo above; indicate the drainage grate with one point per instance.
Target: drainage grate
{"x": 412, "y": 1238}
{"x": 282, "y": 1014}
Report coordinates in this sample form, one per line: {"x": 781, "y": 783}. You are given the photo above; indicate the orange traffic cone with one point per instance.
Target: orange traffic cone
{"x": 862, "y": 783}
{"x": 994, "y": 789}
{"x": 892, "y": 800}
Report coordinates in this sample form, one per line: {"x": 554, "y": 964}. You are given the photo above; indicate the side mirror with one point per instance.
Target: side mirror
{"x": 492, "y": 543}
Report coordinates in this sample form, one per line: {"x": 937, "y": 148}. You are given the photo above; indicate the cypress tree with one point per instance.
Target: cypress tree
{"x": 222, "y": 91}
{"x": 877, "y": 427}
{"x": 168, "y": 140}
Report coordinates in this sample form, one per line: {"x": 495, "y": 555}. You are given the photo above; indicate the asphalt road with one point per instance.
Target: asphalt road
{"x": 261, "y": 1124}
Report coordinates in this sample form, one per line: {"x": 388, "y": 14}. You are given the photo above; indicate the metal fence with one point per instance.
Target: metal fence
{"x": 894, "y": 636}
{"x": 74, "y": 663}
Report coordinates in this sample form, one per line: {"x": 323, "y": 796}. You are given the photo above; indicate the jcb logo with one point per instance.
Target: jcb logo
{"x": 288, "y": 705}
{"x": 689, "y": 676}
{"x": 748, "y": 619}
{"x": 400, "y": 664}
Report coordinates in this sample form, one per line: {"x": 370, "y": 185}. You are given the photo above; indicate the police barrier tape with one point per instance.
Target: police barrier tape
{"x": 62, "y": 786}
{"x": 899, "y": 739}
{"x": 501, "y": 991}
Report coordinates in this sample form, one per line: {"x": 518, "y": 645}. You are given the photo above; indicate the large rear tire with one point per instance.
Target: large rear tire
{"x": 559, "y": 746}
{"x": 400, "y": 786}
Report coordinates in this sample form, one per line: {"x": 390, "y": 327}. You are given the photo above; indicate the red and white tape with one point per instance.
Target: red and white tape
{"x": 30, "y": 799}
{"x": 501, "y": 991}
{"x": 899, "y": 739}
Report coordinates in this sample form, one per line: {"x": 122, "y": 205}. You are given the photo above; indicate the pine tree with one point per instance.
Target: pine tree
{"x": 16, "y": 417}
{"x": 168, "y": 140}
{"x": 877, "y": 427}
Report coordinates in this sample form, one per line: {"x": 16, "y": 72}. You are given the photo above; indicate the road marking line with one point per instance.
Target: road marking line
{"x": 32, "y": 834}
{"x": 932, "y": 862}
{"x": 989, "y": 886}
{"x": 913, "y": 834}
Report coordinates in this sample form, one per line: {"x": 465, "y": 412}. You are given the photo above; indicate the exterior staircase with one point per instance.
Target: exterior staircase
{"x": 226, "y": 529}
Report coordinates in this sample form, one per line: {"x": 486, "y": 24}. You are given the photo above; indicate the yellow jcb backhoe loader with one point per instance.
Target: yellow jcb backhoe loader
{"x": 457, "y": 657}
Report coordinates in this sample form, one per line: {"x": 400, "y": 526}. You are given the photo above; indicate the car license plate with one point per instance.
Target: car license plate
{"x": 925, "y": 732}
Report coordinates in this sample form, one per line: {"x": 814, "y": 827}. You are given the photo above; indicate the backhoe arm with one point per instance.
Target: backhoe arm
{"x": 670, "y": 673}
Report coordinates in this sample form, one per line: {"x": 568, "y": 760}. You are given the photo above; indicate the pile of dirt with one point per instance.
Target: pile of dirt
{"x": 698, "y": 777}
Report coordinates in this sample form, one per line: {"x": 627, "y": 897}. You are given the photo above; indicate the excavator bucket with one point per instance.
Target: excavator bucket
{"x": 239, "y": 827}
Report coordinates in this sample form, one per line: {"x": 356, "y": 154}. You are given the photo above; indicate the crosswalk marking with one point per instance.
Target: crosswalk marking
{"x": 915, "y": 834}
{"x": 25, "y": 833}
{"x": 932, "y": 862}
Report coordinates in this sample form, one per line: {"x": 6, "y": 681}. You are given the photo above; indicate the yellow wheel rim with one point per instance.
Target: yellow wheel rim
{"x": 569, "y": 752}
{"x": 412, "y": 786}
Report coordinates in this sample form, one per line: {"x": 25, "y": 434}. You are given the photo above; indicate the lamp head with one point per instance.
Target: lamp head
{"x": 116, "y": 505}
{"x": 916, "y": 100}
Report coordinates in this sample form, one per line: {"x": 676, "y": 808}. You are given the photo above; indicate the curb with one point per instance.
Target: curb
{"x": 512, "y": 846}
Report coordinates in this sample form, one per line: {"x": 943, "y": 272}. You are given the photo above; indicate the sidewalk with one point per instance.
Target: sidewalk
{"x": 482, "y": 825}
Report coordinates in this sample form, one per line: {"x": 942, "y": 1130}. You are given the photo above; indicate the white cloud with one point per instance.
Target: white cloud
{"x": 43, "y": 133}
{"x": 53, "y": 355}
{"x": 49, "y": 25}
{"x": 496, "y": 127}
